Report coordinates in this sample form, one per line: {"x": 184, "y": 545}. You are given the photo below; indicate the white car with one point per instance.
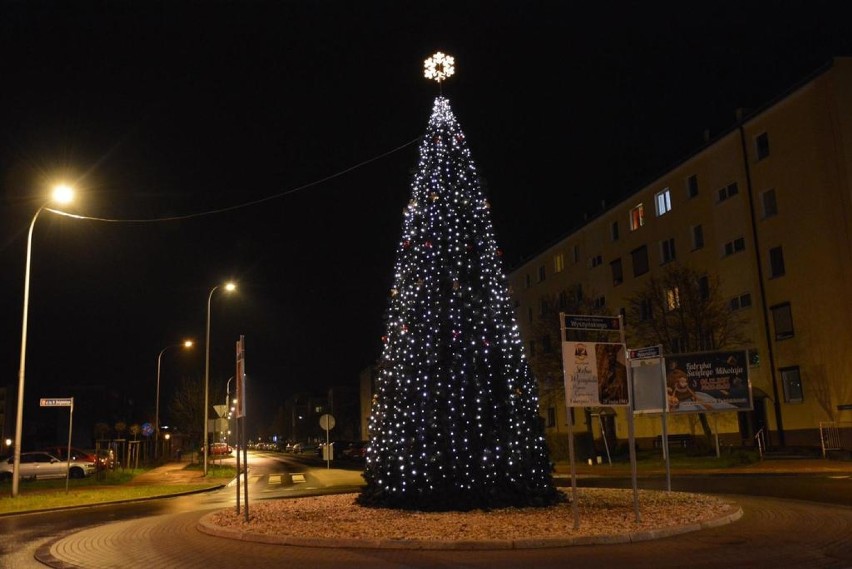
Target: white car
{"x": 42, "y": 465}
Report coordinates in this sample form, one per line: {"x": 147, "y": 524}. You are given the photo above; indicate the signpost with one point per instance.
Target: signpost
{"x": 63, "y": 402}
{"x": 327, "y": 422}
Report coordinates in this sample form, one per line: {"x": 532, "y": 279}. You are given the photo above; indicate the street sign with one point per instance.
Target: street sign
{"x": 589, "y": 322}
{"x": 57, "y": 402}
{"x": 147, "y": 429}
{"x": 646, "y": 353}
{"x": 327, "y": 422}
{"x": 220, "y": 410}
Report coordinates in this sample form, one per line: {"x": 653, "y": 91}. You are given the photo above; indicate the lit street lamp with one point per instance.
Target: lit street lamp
{"x": 229, "y": 287}
{"x": 186, "y": 344}
{"x": 61, "y": 194}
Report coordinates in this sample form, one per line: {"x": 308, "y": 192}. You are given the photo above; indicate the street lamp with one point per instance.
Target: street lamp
{"x": 61, "y": 194}
{"x": 227, "y": 405}
{"x": 186, "y": 344}
{"x": 229, "y": 287}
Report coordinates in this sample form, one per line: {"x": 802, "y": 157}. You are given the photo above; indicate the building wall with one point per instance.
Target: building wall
{"x": 808, "y": 166}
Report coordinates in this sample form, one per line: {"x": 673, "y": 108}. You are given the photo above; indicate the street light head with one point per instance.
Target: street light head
{"x": 63, "y": 194}
{"x": 230, "y": 286}
{"x": 188, "y": 344}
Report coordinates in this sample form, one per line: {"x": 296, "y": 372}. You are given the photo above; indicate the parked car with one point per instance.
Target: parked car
{"x": 41, "y": 465}
{"x": 220, "y": 449}
{"x": 305, "y": 448}
{"x": 356, "y": 451}
{"x": 61, "y": 452}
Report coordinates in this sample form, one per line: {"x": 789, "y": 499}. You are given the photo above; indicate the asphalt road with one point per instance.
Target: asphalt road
{"x": 813, "y": 529}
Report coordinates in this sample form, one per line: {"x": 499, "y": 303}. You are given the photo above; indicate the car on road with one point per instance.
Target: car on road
{"x": 220, "y": 449}
{"x": 42, "y": 465}
{"x": 61, "y": 452}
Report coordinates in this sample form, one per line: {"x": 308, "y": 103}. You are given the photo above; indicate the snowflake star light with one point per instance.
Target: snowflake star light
{"x": 439, "y": 67}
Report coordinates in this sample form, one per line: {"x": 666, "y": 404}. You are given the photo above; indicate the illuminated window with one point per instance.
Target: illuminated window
{"x": 558, "y": 263}
{"x": 637, "y": 217}
{"x": 672, "y": 299}
{"x": 664, "y": 202}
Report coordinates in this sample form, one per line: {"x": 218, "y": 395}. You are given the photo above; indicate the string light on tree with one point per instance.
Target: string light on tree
{"x": 454, "y": 423}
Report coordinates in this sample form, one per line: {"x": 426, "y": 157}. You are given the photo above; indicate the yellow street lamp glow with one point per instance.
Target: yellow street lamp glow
{"x": 185, "y": 344}
{"x": 61, "y": 194}
{"x": 229, "y": 286}
{"x": 188, "y": 344}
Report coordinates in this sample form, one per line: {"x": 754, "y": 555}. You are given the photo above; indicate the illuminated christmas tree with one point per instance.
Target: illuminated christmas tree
{"x": 454, "y": 423}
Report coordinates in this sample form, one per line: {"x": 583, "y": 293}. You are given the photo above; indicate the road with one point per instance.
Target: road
{"x": 813, "y": 529}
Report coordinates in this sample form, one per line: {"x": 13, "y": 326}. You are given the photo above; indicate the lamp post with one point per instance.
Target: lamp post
{"x": 61, "y": 194}
{"x": 229, "y": 287}
{"x": 228, "y": 405}
{"x": 186, "y": 344}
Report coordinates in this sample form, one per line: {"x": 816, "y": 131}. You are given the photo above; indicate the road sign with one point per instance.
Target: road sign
{"x": 147, "y": 429}
{"x": 57, "y": 402}
{"x": 327, "y": 422}
{"x": 220, "y": 410}
{"x": 589, "y": 322}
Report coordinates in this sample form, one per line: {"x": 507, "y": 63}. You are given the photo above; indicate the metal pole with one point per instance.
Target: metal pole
{"x": 68, "y": 451}
{"x": 19, "y": 421}
{"x": 207, "y": 381}
{"x": 157, "y": 407}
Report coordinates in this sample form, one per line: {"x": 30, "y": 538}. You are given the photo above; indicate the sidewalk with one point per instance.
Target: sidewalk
{"x": 761, "y": 468}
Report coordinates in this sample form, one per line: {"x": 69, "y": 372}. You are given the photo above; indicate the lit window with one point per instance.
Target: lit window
{"x": 637, "y": 217}
{"x": 673, "y": 298}
{"x": 664, "y": 202}
{"x": 558, "y": 263}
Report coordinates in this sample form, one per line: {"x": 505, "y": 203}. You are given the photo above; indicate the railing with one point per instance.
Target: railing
{"x": 760, "y": 442}
{"x": 829, "y": 437}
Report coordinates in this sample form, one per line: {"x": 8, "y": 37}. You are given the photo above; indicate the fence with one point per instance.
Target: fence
{"x": 835, "y": 436}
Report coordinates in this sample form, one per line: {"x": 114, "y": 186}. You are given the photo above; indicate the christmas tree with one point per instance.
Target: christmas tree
{"x": 454, "y": 423}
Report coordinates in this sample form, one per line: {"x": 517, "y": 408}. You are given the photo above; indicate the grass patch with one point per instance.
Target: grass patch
{"x": 101, "y": 488}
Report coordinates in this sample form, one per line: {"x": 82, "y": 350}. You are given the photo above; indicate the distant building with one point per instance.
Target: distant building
{"x": 767, "y": 206}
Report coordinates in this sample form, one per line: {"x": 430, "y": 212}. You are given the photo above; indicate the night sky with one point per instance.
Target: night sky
{"x": 275, "y": 141}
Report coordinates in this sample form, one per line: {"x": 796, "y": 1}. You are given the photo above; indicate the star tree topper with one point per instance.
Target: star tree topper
{"x": 439, "y": 67}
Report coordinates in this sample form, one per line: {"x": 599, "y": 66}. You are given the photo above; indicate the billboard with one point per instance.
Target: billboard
{"x": 708, "y": 382}
{"x": 595, "y": 374}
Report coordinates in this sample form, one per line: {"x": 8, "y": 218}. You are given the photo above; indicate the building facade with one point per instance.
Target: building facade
{"x": 767, "y": 208}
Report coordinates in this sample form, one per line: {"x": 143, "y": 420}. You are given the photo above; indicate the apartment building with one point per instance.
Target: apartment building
{"x": 766, "y": 207}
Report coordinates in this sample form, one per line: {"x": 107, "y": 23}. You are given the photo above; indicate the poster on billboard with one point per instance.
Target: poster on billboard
{"x": 708, "y": 382}
{"x": 647, "y": 372}
{"x": 595, "y": 374}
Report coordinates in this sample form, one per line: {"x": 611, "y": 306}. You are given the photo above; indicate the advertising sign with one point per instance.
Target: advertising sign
{"x": 647, "y": 372}
{"x": 595, "y": 374}
{"x": 708, "y": 382}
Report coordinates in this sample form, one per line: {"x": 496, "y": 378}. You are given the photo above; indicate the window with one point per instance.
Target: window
{"x": 595, "y": 261}
{"x": 697, "y": 237}
{"x": 782, "y": 315}
{"x": 645, "y": 310}
{"x": 617, "y": 273}
{"x": 704, "y": 287}
{"x": 542, "y": 307}
{"x": 551, "y": 416}
{"x": 741, "y": 301}
{"x": 640, "y": 260}
{"x": 692, "y": 186}
{"x": 576, "y": 253}
{"x": 776, "y": 262}
{"x": 792, "y": 381}
{"x": 769, "y": 203}
{"x": 728, "y": 191}
{"x": 563, "y": 300}
{"x": 542, "y": 273}
{"x": 672, "y": 299}
{"x": 762, "y": 146}
{"x": 527, "y": 280}
{"x": 667, "y": 251}
{"x": 664, "y": 202}
{"x": 734, "y": 246}
{"x": 558, "y": 263}
{"x": 637, "y": 217}
{"x": 599, "y": 302}
{"x": 613, "y": 231}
